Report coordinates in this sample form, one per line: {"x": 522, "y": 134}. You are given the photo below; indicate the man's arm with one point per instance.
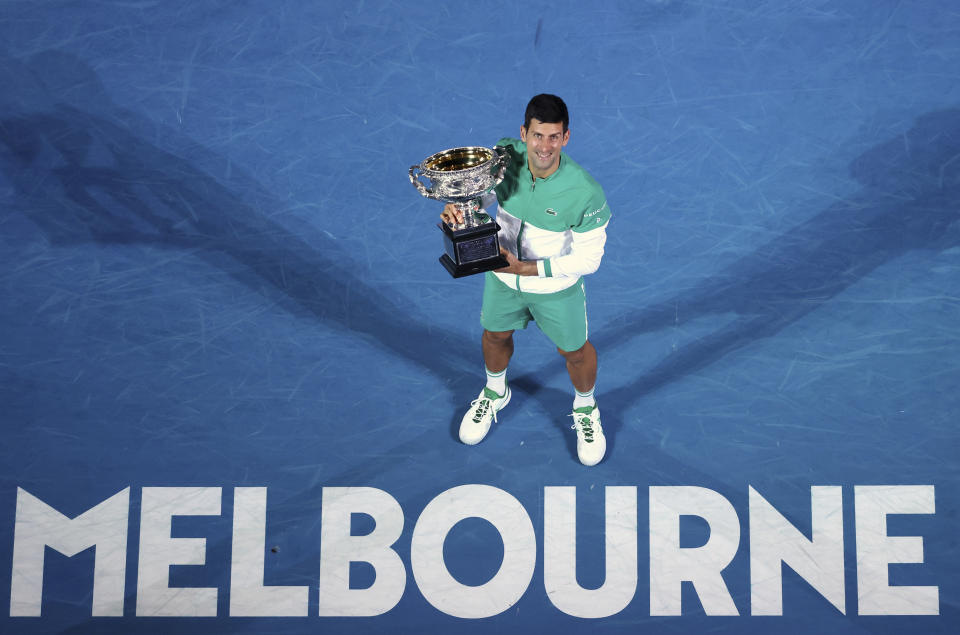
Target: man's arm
{"x": 583, "y": 259}
{"x": 588, "y": 239}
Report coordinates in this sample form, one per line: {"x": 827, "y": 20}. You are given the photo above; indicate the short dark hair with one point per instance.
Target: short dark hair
{"x": 547, "y": 109}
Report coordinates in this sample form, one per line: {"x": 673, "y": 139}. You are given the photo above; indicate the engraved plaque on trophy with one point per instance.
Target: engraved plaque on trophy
{"x": 462, "y": 176}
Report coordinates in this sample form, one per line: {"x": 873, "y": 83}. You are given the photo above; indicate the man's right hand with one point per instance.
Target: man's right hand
{"x": 451, "y": 215}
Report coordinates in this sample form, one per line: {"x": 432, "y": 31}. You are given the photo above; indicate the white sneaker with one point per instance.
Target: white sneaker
{"x": 591, "y": 444}
{"x": 483, "y": 411}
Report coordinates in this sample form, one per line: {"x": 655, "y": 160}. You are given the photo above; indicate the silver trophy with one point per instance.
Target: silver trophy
{"x": 462, "y": 176}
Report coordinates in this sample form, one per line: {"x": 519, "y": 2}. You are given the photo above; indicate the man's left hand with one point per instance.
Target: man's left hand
{"x": 519, "y": 267}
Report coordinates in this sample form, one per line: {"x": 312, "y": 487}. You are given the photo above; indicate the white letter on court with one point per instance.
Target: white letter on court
{"x": 670, "y": 564}
{"x": 155, "y": 597}
{"x": 560, "y": 553}
{"x": 248, "y": 596}
{"x": 38, "y": 526}
{"x": 508, "y": 516}
{"x": 338, "y": 549}
{"x": 876, "y": 550}
{"x": 774, "y": 540}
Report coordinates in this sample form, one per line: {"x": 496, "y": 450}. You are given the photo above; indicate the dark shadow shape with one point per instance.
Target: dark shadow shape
{"x": 84, "y": 175}
{"x": 909, "y": 201}
{"x": 555, "y": 404}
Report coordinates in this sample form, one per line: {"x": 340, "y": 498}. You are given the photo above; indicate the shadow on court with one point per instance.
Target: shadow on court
{"x": 85, "y": 176}
{"x": 911, "y": 185}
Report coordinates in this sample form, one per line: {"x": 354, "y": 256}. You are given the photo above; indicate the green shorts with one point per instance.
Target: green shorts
{"x": 562, "y": 316}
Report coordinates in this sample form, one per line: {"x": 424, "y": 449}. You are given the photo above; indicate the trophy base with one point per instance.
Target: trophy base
{"x": 471, "y": 250}
{"x": 459, "y": 271}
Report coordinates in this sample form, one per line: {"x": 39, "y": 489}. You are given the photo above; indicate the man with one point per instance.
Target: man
{"x": 553, "y": 218}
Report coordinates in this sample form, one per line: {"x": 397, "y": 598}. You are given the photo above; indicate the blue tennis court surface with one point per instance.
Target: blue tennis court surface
{"x": 232, "y": 369}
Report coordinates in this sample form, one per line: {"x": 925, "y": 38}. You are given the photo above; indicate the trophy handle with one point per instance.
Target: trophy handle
{"x": 415, "y": 180}
{"x": 503, "y": 160}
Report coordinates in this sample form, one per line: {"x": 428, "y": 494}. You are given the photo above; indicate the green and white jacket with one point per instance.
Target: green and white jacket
{"x": 560, "y": 221}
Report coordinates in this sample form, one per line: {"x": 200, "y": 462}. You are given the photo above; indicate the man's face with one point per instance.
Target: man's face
{"x": 544, "y": 142}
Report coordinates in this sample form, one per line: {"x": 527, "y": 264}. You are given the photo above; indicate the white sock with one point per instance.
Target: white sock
{"x": 584, "y": 399}
{"x": 497, "y": 382}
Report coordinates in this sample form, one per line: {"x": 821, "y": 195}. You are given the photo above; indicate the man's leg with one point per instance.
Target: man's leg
{"x": 503, "y": 311}
{"x": 497, "y": 349}
{"x": 563, "y": 317}
{"x": 582, "y": 366}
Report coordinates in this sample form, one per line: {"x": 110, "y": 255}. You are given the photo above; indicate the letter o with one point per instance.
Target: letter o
{"x": 510, "y": 582}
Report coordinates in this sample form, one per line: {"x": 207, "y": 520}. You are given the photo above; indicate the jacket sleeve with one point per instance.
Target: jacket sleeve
{"x": 586, "y": 248}
{"x": 583, "y": 258}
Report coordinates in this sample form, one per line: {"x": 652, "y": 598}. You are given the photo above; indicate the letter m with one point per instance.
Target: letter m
{"x": 39, "y": 526}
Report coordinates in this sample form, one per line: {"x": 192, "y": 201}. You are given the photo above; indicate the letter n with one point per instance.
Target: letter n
{"x": 774, "y": 541}
{"x": 39, "y": 526}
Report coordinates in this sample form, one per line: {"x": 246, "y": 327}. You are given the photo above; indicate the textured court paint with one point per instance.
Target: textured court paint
{"x": 216, "y": 274}
{"x": 773, "y": 541}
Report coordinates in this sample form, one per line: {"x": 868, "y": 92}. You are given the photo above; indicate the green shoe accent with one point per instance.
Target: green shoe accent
{"x": 586, "y": 426}
{"x": 490, "y": 394}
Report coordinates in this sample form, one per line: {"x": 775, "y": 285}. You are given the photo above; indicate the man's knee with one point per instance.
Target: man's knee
{"x": 498, "y": 337}
{"x": 574, "y": 357}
